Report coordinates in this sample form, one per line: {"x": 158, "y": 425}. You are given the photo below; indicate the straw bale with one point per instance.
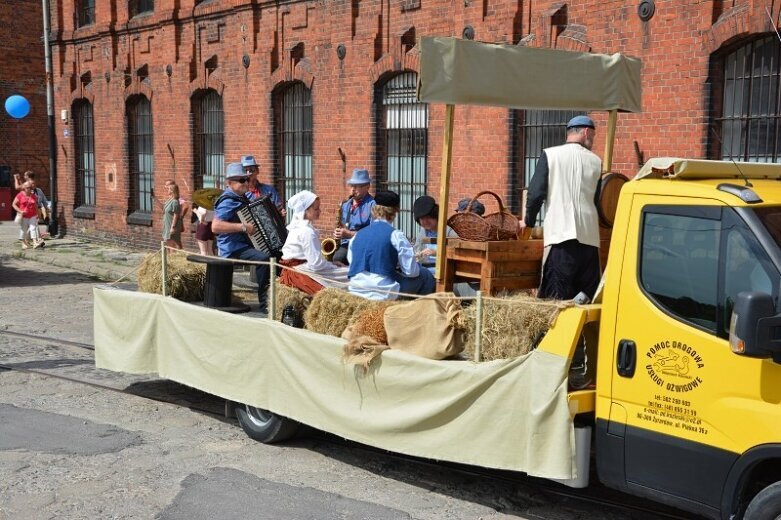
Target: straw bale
{"x": 371, "y": 322}
{"x": 332, "y": 310}
{"x": 512, "y": 325}
{"x": 184, "y": 280}
{"x": 287, "y": 295}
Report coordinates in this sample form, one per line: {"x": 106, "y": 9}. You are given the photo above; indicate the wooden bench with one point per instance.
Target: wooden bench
{"x": 507, "y": 265}
{"x": 218, "y": 287}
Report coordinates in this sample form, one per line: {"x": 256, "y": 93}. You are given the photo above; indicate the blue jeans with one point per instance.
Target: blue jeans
{"x": 422, "y": 284}
{"x": 261, "y": 271}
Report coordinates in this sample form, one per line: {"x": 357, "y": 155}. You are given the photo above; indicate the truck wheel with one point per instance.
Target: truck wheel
{"x": 265, "y": 426}
{"x": 766, "y": 505}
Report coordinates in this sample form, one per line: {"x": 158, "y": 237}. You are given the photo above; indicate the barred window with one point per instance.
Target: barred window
{"x": 209, "y": 140}
{"x": 136, "y": 7}
{"x": 85, "y": 153}
{"x": 293, "y": 128}
{"x": 537, "y": 130}
{"x": 86, "y": 12}
{"x": 749, "y": 117}
{"x": 402, "y": 144}
{"x": 140, "y": 145}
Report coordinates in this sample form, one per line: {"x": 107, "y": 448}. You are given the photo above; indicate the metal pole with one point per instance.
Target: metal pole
{"x": 53, "y": 225}
{"x": 478, "y": 326}
{"x": 164, "y": 257}
{"x": 272, "y": 290}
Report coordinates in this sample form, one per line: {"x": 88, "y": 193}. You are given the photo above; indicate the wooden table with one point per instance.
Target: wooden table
{"x": 499, "y": 266}
{"x": 218, "y": 286}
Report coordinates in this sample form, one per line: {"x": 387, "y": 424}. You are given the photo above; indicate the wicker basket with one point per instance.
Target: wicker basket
{"x": 494, "y": 226}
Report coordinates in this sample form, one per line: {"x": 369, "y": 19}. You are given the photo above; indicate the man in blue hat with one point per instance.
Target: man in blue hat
{"x": 256, "y": 188}
{"x": 355, "y": 213}
{"x": 232, "y": 235}
{"x": 567, "y": 179}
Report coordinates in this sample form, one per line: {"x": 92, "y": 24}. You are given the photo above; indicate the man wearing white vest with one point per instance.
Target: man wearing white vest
{"x": 567, "y": 179}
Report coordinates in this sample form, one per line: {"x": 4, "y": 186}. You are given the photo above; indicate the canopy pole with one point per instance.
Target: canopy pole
{"x": 607, "y": 161}
{"x": 444, "y": 189}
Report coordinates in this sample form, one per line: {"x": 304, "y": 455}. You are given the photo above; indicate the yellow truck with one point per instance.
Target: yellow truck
{"x": 683, "y": 344}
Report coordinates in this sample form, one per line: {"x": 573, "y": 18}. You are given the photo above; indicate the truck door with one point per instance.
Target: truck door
{"x": 684, "y": 392}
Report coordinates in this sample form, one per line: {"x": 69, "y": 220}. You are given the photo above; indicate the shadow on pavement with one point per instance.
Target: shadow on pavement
{"x": 11, "y": 276}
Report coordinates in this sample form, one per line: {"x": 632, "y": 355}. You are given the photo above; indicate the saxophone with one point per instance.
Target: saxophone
{"x": 328, "y": 246}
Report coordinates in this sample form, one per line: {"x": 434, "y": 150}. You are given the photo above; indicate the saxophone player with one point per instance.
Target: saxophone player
{"x": 355, "y": 213}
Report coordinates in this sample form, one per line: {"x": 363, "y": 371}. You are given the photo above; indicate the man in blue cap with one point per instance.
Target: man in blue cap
{"x": 256, "y": 188}
{"x": 232, "y": 235}
{"x": 355, "y": 213}
{"x": 567, "y": 179}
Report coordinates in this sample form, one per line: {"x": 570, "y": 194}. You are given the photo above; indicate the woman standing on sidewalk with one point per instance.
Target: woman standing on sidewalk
{"x": 172, "y": 218}
{"x": 26, "y": 204}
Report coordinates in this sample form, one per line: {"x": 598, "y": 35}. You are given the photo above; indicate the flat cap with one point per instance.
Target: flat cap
{"x": 389, "y": 199}
{"x": 580, "y": 122}
{"x": 425, "y": 206}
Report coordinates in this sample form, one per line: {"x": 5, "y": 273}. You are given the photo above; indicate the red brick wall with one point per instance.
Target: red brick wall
{"x": 676, "y": 46}
{"x": 23, "y": 142}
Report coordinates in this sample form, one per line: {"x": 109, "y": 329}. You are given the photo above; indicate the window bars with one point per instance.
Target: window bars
{"x": 402, "y": 145}
{"x": 85, "y": 154}
{"x": 293, "y": 125}
{"x": 750, "y": 103}
{"x": 209, "y": 141}
{"x": 140, "y": 145}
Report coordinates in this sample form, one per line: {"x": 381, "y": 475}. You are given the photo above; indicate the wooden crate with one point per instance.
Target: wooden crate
{"x": 506, "y": 265}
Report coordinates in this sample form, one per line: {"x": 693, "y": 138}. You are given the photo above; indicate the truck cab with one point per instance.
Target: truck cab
{"x": 688, "y": 407}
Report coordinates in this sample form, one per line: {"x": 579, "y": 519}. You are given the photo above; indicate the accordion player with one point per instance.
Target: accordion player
{"x": 270, "y": 231}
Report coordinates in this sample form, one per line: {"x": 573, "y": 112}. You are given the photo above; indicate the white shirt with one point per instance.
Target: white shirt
{"x": 204, "y": 215}
{"x": 369, "y": 285}
{"x": 302, "y": 243}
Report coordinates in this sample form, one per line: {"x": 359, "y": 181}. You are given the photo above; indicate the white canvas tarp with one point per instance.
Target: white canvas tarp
{"x": 510, "y": 414}
{"x": 463, "y": 72}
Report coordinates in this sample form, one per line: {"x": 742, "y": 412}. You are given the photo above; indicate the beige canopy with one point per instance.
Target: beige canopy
{"x": 463, "y": 72}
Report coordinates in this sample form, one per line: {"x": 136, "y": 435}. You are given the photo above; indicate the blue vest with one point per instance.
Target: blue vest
{"x": 373, "y": 251}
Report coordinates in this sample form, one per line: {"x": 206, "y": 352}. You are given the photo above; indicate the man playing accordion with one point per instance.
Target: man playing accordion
{"x": 232, "y": 235}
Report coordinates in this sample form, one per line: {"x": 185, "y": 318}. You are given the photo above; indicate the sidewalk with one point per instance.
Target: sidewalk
{"x": 107, "y": 263}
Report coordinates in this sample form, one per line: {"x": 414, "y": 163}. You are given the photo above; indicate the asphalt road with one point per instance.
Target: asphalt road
{"x": 70, "y": 450}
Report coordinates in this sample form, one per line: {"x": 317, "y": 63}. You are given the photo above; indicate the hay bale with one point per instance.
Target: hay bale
{"x": 371, "y": 322}
{"x": 332, "y": 310}
{"x": 184, "y": 280}
{"x": 287, "y": 295}
{"x": 511, "y": 325}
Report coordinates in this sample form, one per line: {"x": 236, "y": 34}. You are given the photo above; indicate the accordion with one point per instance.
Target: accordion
{"x": 270, "y": 231}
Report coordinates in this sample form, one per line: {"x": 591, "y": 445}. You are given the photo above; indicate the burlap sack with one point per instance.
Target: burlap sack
{"x": 425, "y": 327}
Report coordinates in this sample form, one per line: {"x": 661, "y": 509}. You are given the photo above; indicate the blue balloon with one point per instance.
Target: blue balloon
{"x": 17, "y": 106}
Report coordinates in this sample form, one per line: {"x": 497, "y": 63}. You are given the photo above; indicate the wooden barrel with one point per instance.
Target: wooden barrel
{"x": 610, "y": 188}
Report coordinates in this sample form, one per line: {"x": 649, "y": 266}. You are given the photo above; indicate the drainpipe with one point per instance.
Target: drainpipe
{"x": 53, "y": 227}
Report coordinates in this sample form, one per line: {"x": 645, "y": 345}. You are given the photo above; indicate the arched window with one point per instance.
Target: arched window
{"x": 209, "y": 136}
{"x": 402, "y": 144}
{"x": 141, "y": 149}
{"x": 85, "y": 153}
{"x": 536, "y": 130}
{"x": 293, "y": 130}
{"x": 749, "y": 115}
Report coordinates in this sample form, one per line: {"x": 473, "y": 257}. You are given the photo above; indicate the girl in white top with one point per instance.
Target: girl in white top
{"x": 302, "y": 249}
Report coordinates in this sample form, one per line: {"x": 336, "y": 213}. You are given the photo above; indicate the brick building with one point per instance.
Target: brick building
{"x": 23, "y": 142}
{"x": 174, "y": 89}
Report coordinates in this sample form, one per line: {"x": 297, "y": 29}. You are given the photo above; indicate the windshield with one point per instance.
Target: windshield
{"x": 771, "y": 218}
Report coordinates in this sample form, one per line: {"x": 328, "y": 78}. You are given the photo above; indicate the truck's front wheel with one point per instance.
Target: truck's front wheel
{"x": 265, "y": 426}
{"x": 766, "y": 505}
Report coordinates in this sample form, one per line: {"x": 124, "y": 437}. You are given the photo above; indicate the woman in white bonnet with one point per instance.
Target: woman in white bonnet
{"x": 311, "y": 272}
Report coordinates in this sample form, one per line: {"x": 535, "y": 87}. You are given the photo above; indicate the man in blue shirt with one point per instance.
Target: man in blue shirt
{"x": 355, "y": 213}
{"x": 256, "y": 188}
{"x": 232, "y": 235}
